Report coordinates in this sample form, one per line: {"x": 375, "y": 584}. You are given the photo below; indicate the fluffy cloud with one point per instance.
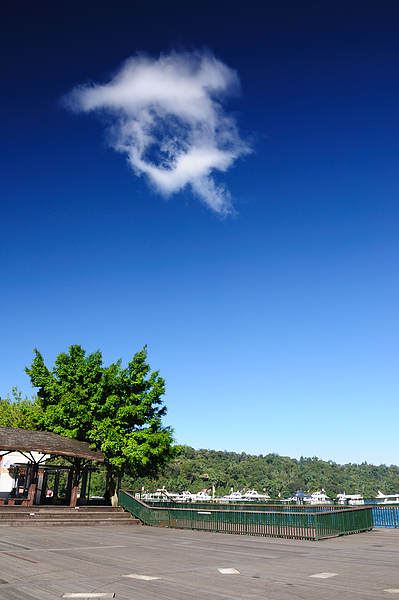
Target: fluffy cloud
{"x": 166, "y": 115}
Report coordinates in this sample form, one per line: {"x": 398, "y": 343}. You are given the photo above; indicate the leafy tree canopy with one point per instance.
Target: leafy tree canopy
{"x": 16, "y": 411}
{"x": 118, "y": 410}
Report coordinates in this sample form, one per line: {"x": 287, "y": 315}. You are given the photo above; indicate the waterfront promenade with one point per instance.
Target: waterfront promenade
{"x": 145, "y": 563}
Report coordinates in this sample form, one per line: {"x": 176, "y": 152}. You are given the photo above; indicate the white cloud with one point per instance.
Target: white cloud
{"x": 166, "y": 115}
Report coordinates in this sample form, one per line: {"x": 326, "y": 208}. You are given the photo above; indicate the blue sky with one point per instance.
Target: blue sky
{"x": 273, "y": 319}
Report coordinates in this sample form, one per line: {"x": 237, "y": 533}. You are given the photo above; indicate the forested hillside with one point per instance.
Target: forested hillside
{"x": 199, "y": 469}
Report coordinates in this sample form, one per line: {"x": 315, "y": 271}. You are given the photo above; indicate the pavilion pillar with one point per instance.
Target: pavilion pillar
{"x": 83, "y": 487}
{"x": 75, "y": 485}
{"x": 44, "y": 488}
{"x": 69, "y": 485}
{"x": 56, "y": 484}
{"x": 33, "y": 484}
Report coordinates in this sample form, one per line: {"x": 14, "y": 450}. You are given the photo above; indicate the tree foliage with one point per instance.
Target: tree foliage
{"x": 117, "y": 410}
{"x": 16, "y": 411}
{"x": 198, "y": 469}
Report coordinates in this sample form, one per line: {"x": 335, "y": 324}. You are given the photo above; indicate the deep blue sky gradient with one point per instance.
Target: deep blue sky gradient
{"x": 277, "y": 330}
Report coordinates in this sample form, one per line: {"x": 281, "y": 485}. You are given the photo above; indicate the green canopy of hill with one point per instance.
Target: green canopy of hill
{"x": 198, "y": 469}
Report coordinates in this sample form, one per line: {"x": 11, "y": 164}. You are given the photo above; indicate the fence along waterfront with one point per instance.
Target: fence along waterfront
{"x": 386, "y": 516}
{"x": 310, "y": 524}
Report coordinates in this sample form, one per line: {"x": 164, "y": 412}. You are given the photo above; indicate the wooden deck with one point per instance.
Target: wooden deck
{"x": 142, "y": 563}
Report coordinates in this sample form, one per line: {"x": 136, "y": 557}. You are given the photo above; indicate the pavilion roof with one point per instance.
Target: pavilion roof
{"x": 27, "y": 440}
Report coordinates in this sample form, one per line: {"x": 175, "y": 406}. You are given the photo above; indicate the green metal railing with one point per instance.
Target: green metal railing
{"x": 312, "y": 524}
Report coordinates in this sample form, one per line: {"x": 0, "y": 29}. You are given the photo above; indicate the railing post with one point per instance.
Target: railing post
{"x": 316, "y": 525}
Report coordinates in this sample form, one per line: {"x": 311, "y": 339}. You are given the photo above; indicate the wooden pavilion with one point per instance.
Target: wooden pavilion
{"x": 26, "y": 441}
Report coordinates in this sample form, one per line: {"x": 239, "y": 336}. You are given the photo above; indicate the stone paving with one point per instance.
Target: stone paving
{"x": 137, "y": 563}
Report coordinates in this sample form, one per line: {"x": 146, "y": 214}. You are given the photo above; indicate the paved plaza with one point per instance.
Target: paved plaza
{"x": 146, "y": 563}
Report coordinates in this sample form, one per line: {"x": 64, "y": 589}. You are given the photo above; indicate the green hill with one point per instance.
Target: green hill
{"x": 194, "y": 470}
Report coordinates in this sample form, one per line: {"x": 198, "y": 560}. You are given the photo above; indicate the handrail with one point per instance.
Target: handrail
{"x": 313, "y": 525}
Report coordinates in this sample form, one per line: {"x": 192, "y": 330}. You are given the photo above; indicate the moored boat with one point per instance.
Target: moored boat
{"x": 202, "y": 497}
{"x": 387, "y": 498}
{"x": 351, "y": 499}
{"x": 319, "y": 497}
{"x": 232, "y": 497}
{"x": 254, "y": 495}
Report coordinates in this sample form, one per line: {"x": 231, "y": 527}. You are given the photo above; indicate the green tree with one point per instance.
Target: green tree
{"x": 117, "y": 410}
{"x": 19, "y": 412}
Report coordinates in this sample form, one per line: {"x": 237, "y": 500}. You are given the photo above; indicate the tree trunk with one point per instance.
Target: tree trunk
{"x": 112, "y": 489}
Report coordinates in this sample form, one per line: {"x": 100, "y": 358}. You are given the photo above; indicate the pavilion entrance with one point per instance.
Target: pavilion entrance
{"x": 54, "y": 484}
{"x": 38, "y": 483}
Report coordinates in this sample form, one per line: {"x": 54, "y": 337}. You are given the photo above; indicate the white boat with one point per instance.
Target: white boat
{"x": 186, "y": 496}
{"x": 351, "y": 499}
{"x": 160, "y": 495}
{"x": 254, "y": 495}
{"x": 319, "y": 497}
{"x": 233, "y": 497}
{"x": 202, "y": 496}
{"x": 387, "y": 498}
